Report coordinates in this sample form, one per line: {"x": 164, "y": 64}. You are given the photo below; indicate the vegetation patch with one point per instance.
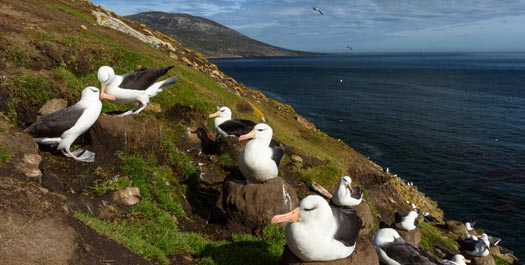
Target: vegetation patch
{"x": 29, "y": 87}
{"x": 431, "y": 236}
{"x": 325, "y": 175}
{"x": 501, "y": 261}
{"x": 5, "y": 156}
{"x": 75, "y": 12}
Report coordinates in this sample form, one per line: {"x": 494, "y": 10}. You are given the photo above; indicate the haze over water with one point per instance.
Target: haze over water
{"x": 453, "y": 123}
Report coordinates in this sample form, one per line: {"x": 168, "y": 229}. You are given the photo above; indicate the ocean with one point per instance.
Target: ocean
{"x": 452, "y": 123}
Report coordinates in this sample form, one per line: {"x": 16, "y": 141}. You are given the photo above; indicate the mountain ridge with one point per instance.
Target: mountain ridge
{"x": 208, "y": 37}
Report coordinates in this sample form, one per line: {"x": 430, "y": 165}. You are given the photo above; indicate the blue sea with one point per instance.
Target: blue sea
{"x": 452, "y": 123}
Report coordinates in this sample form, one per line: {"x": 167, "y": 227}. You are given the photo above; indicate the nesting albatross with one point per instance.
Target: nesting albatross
{"x": 226, "y": 126}
{"x": 136, "y": 86}
{"x": 64, "y": 126}
{"x": 345, "y": 195}
{"x": 393, "y": 250}
{"x": 407, "y": 222}
{"x": 259, "y": 161}
{"x": 317, "y": 232}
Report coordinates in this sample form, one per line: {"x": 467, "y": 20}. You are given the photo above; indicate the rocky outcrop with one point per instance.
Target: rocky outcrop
{"x": 250, "y": 207}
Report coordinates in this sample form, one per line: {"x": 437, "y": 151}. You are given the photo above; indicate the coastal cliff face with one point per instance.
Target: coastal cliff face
{"x": 208, "y": 37}
{"x": 160, "y": 189}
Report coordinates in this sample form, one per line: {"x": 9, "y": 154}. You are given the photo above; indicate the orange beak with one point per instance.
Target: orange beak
{"x": 467, "y": 261}
{"x": 350, "y": 188}
{"x": 249, "y": 135}
{"x": 213, "y": 115}
{"x": 292, "y": 216}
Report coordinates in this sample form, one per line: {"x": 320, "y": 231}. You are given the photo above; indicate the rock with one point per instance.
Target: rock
{"x": 52, "y": 105}
{"x": 413, "y": 237}
{"x": 230, "y": 146}
{"x": 488, "y": 260}
{"x": 127, "y": 196}
{"x": 456, "y": 227}
{"x": 297, "y": 159}
{"x": 211, "y": 175}
{"x": 249, "y": 207}
{"x": 83, "y": 27}
{"x": 363, "y": 211}
{"x": 364, "y": 253}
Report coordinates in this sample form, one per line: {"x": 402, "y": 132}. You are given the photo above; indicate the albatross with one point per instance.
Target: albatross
{"x": 393, "y": 250}
{"x": 62, "y": 127}
{"x": 318, "y": 10}
{"x": 407, "y": 222}
{"x": 473, "y": 246}
{"x": 259, "y": 161}
{"x": 136, "y": 86}
{"x": 226, "y": 126}
{"x": 318, "y": 232}
{"x": 345, "y": 195}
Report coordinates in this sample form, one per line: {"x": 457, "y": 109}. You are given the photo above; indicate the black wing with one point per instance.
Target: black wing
{"x": 277, "y": 151}
{"x": 348, "y": 225}
{"x": 143, "y": 78}
{"x": 470, "y": 244}
{"x": 237, "y": 127}
{"x": 357, "y": 192}
{"x": 406, "y": 253}
{"x": 56, "y": 123}
{"x": 398, "y": 218}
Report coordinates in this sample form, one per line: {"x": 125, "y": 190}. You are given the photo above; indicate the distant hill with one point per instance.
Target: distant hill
{"x": 208, "y": 37}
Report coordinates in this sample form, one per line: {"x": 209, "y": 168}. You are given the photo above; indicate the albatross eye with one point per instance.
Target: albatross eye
{"x": 309, "y": 209}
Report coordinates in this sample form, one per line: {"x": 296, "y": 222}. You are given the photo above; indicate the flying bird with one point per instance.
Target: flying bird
{"x": 318, "y": 10}
{"x": 318, "y": 232}
{"x": 349, "y": 48}
{"x": 136, "y": 86}
{"x": 63, "y": 127}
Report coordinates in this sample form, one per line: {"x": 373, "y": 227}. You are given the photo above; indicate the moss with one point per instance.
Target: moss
{"x": 431, "y": 236}
{"x": 5, "y": 155}
{"x": 501, "y": 261}
{"x": 324, "y": 175}
{"x": 18, "y": 57}
{"x": 29, "y": 87}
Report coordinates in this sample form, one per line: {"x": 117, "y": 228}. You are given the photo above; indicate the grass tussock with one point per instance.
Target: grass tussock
{"x": 431, "y": 236}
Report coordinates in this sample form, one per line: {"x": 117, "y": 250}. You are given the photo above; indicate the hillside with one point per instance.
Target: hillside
{"x": 208, "y": 37}
{"x": 194, "y": 206}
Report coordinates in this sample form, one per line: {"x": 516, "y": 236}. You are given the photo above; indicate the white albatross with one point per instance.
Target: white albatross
{"x": 136, "y": 86}
{"x": 258, "y": 161}
{"x": 226, "y": 126}
{"x": 393, "y": 250}
{"x": 473, "y": 246}
{"x": 318, "y": 232}
{"x": 62, "y": 127}
{"x": 345, "y": 195}
{"x": 407, "y": 222}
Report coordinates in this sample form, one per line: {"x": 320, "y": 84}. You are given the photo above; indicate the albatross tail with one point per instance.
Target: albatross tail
{"x": 156, "y": 88}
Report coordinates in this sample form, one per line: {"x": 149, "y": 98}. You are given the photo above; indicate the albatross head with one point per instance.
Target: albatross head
{"x": 346, "y": 181}
{"x": 460, "y": 259}
{"x": 90, "y": 93}
{"x": 261, "y": 131}
{"x": 105, "y": 74}
{"x": 223, "y": 112}
{"x": 312, "y": 209}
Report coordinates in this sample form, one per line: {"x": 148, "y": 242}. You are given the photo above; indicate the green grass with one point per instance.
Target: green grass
{"x": 430, "y": 236}
{"x": 5, "y": 156}
{"x": 28, "y": 87}
{"x": 19, "y": 57}
{"x": 75, "y": 12}
{"x": 501, "y": 261}
{"x": 324, "y": 175}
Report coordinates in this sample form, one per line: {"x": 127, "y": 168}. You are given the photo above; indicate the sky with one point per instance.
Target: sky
{"x": 364, "y": 25}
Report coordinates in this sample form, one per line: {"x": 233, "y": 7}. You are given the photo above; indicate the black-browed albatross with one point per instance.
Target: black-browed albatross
{"x": 345, "y": 194}
{"x": 259, "y": 160}
{"x": 318, "y": 232}
{"x": 136, "y": 86}
{"x": 64, "y": 126}
{"x": 226, "y": 126}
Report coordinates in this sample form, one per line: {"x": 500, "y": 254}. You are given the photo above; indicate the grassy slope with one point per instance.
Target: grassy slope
{"x": 152, "y": 228}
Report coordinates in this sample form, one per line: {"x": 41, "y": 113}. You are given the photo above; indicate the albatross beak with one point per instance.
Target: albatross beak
{"x": 213, "y": 115}
{"x": 467, "y": 261}
{"x": 249, "y": 135}
{"x": 292, "y": 216}
{"x": 350, "y": 188}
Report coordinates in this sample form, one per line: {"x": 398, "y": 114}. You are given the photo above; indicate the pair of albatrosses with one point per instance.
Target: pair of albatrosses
{"x": 63, "y": 127}
{"x": 260, "y": 158}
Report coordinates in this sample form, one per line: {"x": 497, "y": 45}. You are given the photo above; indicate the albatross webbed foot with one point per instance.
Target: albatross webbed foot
{"x": 86, "y": 156}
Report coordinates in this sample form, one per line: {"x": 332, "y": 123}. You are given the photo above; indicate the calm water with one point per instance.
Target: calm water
{"x": 452, "y": 123}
